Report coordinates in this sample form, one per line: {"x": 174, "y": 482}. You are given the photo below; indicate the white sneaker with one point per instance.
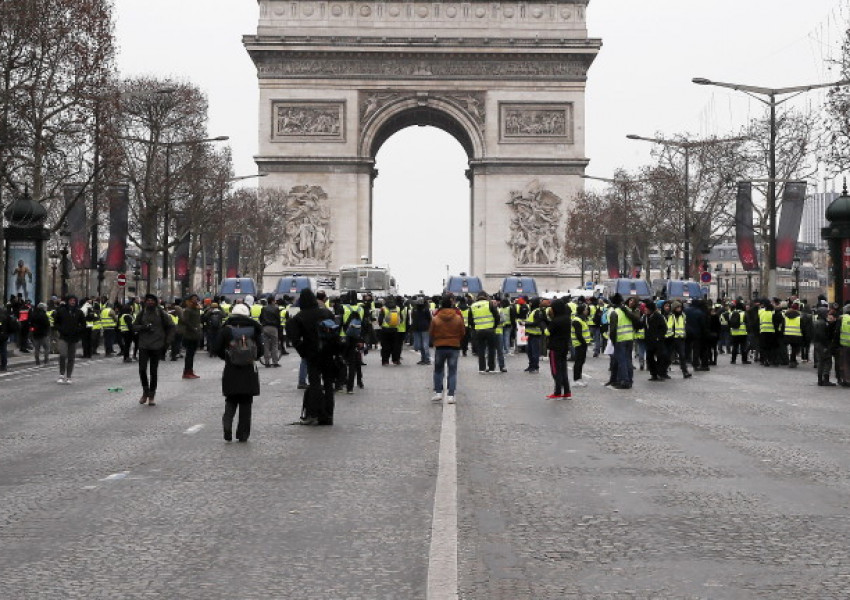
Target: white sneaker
{"x": 437, "y": 397}
{"x": 450, "y": 399}
{"x": 579, "y": 383}
{"x": 68, "y": 380}
{"x": 61, "y": 379}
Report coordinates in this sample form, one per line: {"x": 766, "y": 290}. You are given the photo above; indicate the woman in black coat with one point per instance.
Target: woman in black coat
{"x": 239, "y": 384}
{"x": 560, "y": 340}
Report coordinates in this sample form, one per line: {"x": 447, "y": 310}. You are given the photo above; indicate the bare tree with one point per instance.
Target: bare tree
{"x": 260, "y": 215}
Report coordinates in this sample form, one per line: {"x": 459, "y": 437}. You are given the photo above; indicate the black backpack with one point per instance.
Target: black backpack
{"x": 735, "y": 320}
{"x": 215, "y": 320}
{"x": 242, "y": 350}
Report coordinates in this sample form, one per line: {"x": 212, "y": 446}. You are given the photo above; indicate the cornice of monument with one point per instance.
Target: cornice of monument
{"x": 369, "y": 43}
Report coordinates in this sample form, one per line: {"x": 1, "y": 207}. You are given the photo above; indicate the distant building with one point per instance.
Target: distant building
{"x": 814, "y": 218}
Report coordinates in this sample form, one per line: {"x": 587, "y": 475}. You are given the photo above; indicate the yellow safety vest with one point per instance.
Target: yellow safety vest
{"x": 284, "y": 315}
{"x": 792, "y": 327}
{"x": 844, "y": 332}
{"x": 766, "y": 321}
{"x": 225, "y": 307}
{"x": 97, "y": 324}
{"x": 482, "y": 315}
{"x": 676, "y": 326}
{"x": 585, "y": 332}
{"x": 384, "y": 322}
{"x": 741, "y": 329}
{"x": 255, "y": 312}
{"x": 347, "y": 309}
{"x": 106, "y": 320}
{"x": 122, "y": 323}
{"x": 625, "y": 330}
{"x": 50, "y": 317}
{"x": 532, "y": 329}
{"x": 402, "y": 326}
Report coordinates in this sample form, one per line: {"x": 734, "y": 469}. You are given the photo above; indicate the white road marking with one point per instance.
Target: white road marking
{"x": 442, "y": 558}
{"x": 194, "y": 429}
{"x": 116, "y": 476}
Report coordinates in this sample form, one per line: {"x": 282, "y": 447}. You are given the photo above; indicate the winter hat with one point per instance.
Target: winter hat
{"x": 241, "y": 309}
{"x": 151, "y": 297}
{"x": 249, "y": 300}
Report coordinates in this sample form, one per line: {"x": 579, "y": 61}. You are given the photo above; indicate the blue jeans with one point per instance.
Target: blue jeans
{"x": 442, "y": 356}
{"x": 506, "y": 339}
{"x": 420, "y": 342}
{"x": 533, "y": 350}
{"x": 623, "y": 355}
{"x": 302, "y": 372}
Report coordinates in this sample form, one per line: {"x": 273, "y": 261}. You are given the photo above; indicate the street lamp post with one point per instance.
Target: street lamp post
{"x": 768, "y": 96}
{"x": 685, "y": 146}
{"x": 796, "y": 268}
{"x": 54, "y": 263}
{"x": 668, "y": 260}
{"x": 63, "y": 270}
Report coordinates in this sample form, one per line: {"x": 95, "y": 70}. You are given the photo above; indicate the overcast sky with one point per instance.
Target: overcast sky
{"x": 640, "y": 83}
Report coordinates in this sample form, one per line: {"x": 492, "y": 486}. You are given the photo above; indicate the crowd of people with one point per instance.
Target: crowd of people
{"x": 332, "y": 337}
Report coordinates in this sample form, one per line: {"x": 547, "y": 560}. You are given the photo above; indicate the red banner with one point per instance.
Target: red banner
{"x": 744, "y": 233}
{"x": 76, "y": 226}
{"x": 793, "y": 198}
{"x": 119, "y": 206}
{"x": 233, "y": 246}
{"x": 181, "y": 253}
{"x": 612, "y": 256}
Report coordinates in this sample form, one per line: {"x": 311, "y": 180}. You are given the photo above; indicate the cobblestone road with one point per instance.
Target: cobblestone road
{"x": 733, "y": 484}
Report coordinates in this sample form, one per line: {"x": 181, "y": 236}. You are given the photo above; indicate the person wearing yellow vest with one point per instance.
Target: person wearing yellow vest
{"x": 351, "y": 332}
{"x": 506, "y": 326}
{"x": 793, "y": 332}
{"x": 738, "y": 333}
{"x": 125, "y": 330}
{"x": 463, "y": 308}
{"x": 483, "y": 318}
{"x": 621, "y": 329}
{"x": 109, "y": 324}
{"x": 174, "y": 312}
{"x": 842, "y": 333}
{"x": 535, "y": 325}
{"x": 96, "y": 327}
{"x": 767, "y": 334}
{"x": 389, "y": 321}
{"x": 675, "y": 336}
{"x": 582, "y": 338}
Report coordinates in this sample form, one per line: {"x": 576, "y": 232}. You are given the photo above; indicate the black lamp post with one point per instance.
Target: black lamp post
{"x": 718, "y": 269}
{"x": 54, "y": 262}
{"x": 668, "y": 260}
{"x": 63, "y": 271}
{"x": 796, "y": 268}
{"x": 101, "y": 271}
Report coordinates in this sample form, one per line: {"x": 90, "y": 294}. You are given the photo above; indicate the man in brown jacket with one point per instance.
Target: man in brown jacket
{"x": 446, "y": 333}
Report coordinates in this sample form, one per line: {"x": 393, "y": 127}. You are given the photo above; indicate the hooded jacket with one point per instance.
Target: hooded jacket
{"x": 447, "y": 329}
{"x": 155, "y": 328}
{"x": 69, "y": 322}
{"x": 303, "y": 329}
{"x": 560, "y": 327}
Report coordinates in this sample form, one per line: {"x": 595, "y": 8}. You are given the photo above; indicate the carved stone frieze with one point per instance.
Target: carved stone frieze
{"x": 522, "y": 122}
{"x": 393, "y": 66}
{"x": 308, "y": 120}
{"x": 535, "y": 226}
{"x": 472, "y": 103}
{"x": 307, "y": 238}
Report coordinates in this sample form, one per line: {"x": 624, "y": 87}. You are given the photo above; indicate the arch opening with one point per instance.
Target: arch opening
{"x": 421, "y": 207}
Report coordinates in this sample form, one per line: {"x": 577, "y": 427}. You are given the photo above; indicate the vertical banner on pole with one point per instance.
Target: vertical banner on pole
{"x": 793, "y": 198}
{"x": 612, "y": 256}
{"x": 181, "y": 253}
{"x": 234, "y": 241}
{"x": 119, "y": 207}
{"x": 745, "y": 235}
{"x": 75, "y": 225}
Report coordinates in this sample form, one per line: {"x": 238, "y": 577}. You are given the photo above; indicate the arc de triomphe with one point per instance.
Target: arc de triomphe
{"x": 506, "y": 79}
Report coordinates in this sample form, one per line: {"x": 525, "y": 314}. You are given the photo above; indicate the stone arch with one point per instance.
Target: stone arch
{"x": 437, "y": 111}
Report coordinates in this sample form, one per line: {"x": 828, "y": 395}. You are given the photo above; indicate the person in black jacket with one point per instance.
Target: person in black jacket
{"x": 239, "y": 383}
{"x": 560, "y": 340}
{"x": 303, "y": 331}
{"x": 39, "y": 325}
{"x": 656, "y": 342}
{"x": 8, "y": 325}
{"x": 70, "y": 324}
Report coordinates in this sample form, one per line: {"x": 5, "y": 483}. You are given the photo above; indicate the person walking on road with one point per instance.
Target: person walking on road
{"x": 70, "y": 323}
{"x": 655, "y": 326}
{"x": 320, "y": 356}
{"x": 270, "y": 321}
{"x": 190, "y": 331}
{"x": 483, "y": 318}
{"x": 560, "y": 340}
{"x": 40, "y": 329}
{"x": 239, "y": 344}
{"x": 446, "y": 333}
{"x": 155, "y": 329}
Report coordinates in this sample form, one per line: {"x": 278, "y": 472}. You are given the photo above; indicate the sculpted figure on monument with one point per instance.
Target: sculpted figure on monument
{"x": 535, "y": 238}
{"x": 307, "y": 236}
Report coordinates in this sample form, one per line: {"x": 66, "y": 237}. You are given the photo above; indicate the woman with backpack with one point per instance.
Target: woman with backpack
{"x": 239, "y": 345}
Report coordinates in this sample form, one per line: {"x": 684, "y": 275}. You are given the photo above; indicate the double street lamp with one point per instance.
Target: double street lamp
{"x": 686, "y": 146}
{"x": 768, "y": 96}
